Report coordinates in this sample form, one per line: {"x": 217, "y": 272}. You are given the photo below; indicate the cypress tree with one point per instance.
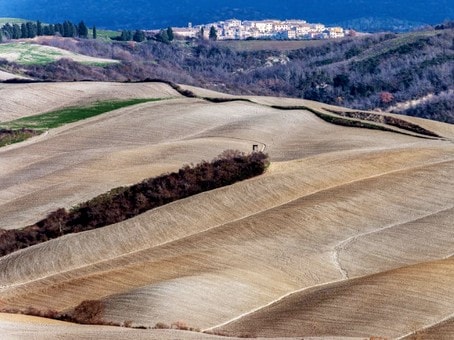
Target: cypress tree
{"x": 59, "y": 29}
{"x": 95, "y": 34}
{"x": 82, "y": 30}
{"x": 23, "y": 29}
{"x": 73, "y": 30}
{"x": 39, "y": 28}
{"x": 69, "y": 29}
{"x": 66, "y": 29}
{"x": 46, "y": 30}
{"x": 8, "y": 30}
{"x": 213, "y": 33}
{"x": 138, "y": 36}
{"x": 31, "y": 29}
{"x": 170, "y": 34}
{"x": 126, "y": 35}
{"x": 162, "y": 36}
{"x": 17, "y": 32}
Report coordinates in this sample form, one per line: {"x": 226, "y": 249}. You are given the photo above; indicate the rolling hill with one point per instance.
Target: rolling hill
{"x": 26, "y": 53}
{"x": 348, "y": 234}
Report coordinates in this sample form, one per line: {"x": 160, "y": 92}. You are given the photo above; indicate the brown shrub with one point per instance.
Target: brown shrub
{"x": 161, "y": 325}
{"x": 386, "y": 97}
{"x": 33, "y": 311}
{"x": 180, "y": 325}
{"x": 88, "y": 312}
{"x": 127, "y": 323}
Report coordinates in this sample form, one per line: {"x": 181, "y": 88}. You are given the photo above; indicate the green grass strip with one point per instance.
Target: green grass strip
{"x": 54, "y": 119}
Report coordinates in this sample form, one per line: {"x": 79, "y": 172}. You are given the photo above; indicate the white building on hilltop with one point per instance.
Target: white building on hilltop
{"x": 234, "y": 29}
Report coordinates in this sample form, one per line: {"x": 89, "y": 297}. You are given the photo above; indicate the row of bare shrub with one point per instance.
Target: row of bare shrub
{"x": 384, "y": 119}
{"x": 126, "y": 202}
{"x": 88, "y": 312}
{"x": 91, "y": 312}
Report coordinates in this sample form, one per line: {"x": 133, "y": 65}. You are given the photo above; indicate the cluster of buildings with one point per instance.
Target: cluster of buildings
{"x": 234, "y": 29}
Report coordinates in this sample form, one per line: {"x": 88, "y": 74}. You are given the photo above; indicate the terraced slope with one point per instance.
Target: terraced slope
{"x": 349, "y": 233}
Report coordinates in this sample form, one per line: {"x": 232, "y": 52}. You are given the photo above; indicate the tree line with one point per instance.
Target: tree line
{"x": 164, "y": 36}
{"x": 126, "y": 35}
{"x": 126, "y": 202}
{"x": 32, "y": 29}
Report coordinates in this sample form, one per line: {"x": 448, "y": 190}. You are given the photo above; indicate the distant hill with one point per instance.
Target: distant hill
{"x": 35, "y": 54}
{"x": 146, "y": 14}
{"x": 11, "y": 20}
{"x": 407, "y": 73}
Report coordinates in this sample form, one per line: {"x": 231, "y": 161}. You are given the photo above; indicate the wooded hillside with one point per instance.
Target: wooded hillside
{"x": 403, "y": 73}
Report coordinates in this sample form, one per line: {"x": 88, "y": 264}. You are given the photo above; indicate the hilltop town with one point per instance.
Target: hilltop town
{"x": 234, "y": 29}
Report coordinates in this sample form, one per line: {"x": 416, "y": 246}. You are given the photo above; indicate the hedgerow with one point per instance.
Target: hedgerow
{"x": 126, "y": 202}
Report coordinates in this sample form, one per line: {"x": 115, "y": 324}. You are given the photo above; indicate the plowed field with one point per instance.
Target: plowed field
{"x": 349, "y": 233}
